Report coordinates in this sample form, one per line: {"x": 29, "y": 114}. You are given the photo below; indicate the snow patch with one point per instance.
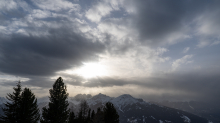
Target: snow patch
{"x": 167, "y": 121}
{"x": 190, "y": 106}
{"x": 152, "y": 117}
{"x": 160, "y": 121}
{"x": 186, "y": 119}
{"x": 132, "y": 120}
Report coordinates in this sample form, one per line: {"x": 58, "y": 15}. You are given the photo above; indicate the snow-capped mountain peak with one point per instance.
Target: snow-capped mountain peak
{"x": 125, "y": 100}
{"x": 80, "y": 97}
{"x": 100, "y": 98}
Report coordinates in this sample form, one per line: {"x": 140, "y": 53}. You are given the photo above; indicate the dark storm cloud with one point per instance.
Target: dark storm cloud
{"x": 45, "y": 55}
{"x": 40, "y": 81}
{"x": 49, "y": 41}
{"x": 157, "y": 20}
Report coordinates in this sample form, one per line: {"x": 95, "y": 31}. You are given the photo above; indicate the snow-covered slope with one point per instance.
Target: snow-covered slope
{"x": 209, "y": 111}
{"x": 43, "y": 100}
{"x": 2, "y": 100}
{"x": 133, "y": 110}
{"x": 78, "y": 98}
{"x": 100, "y": 98}
{"x": 125, "y": 100}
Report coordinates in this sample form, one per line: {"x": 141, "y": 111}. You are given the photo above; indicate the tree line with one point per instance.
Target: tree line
{"x": 22, "y": 107}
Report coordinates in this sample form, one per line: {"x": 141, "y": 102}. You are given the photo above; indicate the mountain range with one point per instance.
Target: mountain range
{"x": 133, "y": 110}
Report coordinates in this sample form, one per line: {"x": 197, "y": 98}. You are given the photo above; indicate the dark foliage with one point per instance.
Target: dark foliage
{"x": 99, "y": 116}
{"x": 84, "y": 108}
{"x": 110, "y": 113}
{"x": 89, "y": 116}
{"x": 93, "y": 114}
{"x": 29, "y": 112}
{"x": 72, "y": 118}
{"x": 23, "y": 108}
{"x": 83, "y": 112}
{"x": 12, "y": 107}
{"x": 58, "y": 111}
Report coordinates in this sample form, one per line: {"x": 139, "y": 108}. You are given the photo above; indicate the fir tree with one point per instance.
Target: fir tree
{"x": 72, "y": 117}
{"x": 99, "y": 116}
{"x": 110, "y": 113}
{"x": 29, "y": 112}
{"x": 80, "y": 117}
{"x": 84, "y": 107}
{"x": 11, "y": 110}
{"x": 88, "y": 117}
{"x": 93, "y": 114}
{"x": 58, "y": 111}
{"x": 83, "y": 111}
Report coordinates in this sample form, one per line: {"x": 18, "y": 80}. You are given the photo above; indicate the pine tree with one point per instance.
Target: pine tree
{"x": 84, "y": 107}
{"x": 58, "y": 111}
{"x": 83, "y": 111}
{"x": 80, "y": 119}
{"x": 99, "y": 116}
{"x": 11, "y": 110}
{"x": 72, "y": 117}
{"x": 92, "y": 115}
{"x": 88, "y": 117}
{"x": 110, "y": 113}
{"x": 29, "y": 112}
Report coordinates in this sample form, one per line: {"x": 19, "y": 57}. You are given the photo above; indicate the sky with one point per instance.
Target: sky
{"x": 151, "y": 49}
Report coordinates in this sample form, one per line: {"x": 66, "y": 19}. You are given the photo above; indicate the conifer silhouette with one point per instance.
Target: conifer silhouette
{"x": 11, "y": 110}
{"x": 110, "y": 113}
{"x": 28, "y": 110}
{"x": 72, "y": 118}
{"x": 58, "y": 111}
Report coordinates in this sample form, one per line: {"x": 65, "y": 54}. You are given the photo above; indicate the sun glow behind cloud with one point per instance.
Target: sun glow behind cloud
{"x": 89, "y": 70}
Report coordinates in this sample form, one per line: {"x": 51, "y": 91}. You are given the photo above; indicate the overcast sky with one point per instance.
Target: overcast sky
{"x": 151, "y": 49}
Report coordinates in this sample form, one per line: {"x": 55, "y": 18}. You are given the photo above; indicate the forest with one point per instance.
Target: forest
{"x": 22, "y": 107}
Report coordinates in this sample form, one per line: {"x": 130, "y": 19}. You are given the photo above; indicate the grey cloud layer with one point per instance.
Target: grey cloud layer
{"x": 156, "y": 23}
{"x": 196, "y": 85}
{"x": 30, "y": 55}
{"x": 202, "y": 85}
{"x": 39, "y": 38}
{"x": 41, "y": 42}
{"x": 159, "y": 22}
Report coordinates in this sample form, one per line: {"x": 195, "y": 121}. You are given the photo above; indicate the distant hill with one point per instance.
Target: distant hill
{"x": 202, "y": 109}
